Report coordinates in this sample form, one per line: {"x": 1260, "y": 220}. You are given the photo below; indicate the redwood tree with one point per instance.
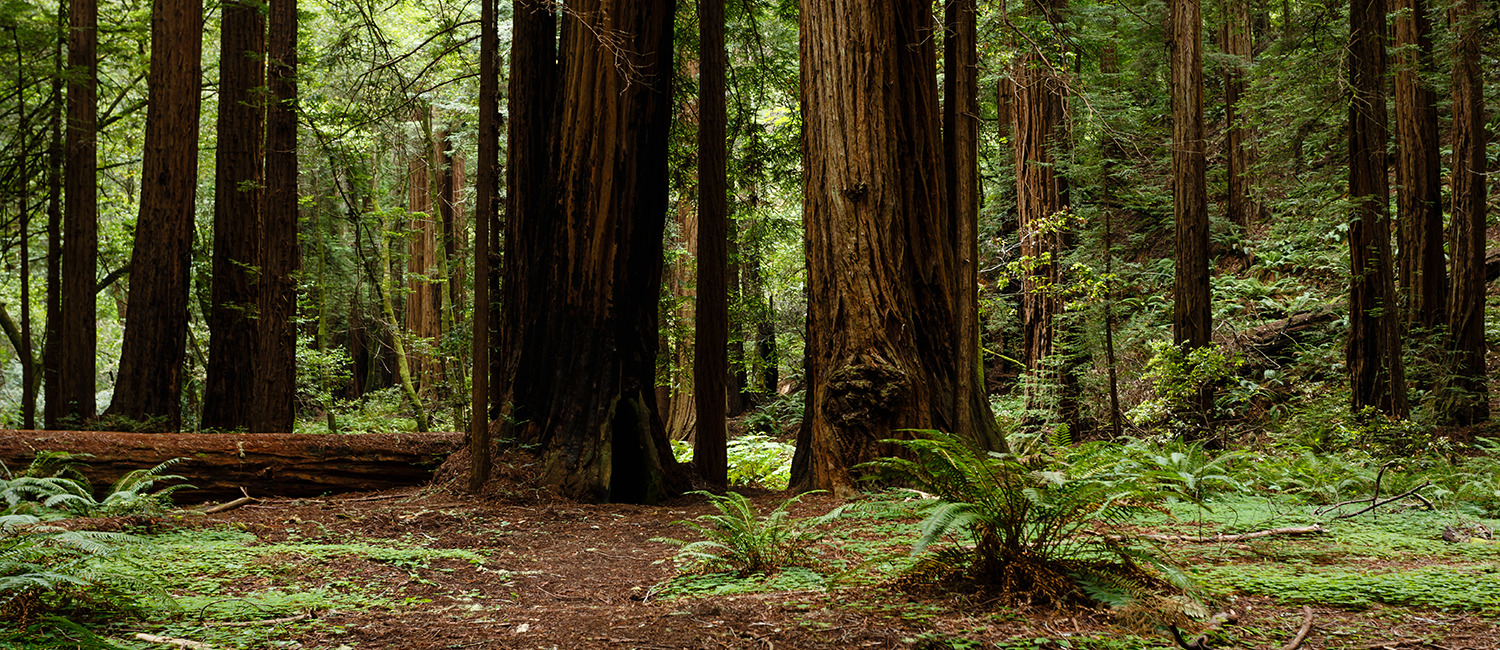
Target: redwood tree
{"x": 1466, "y": 309}
{"x": 148, "y": 388}
{"x": 711, "y": 322}
{"x": 1192, "y": 319}
{"x": 276, "y": 374}
{"x": 583, "y": 257}
{"x": 73, "y": 350}
{"x": 1238, "y": 42}
{"x": 1419, "y": 208}
{"x": 1036, "y": 112}
{"x": 1377, "y": 377}
{"x": 229, "y": 390}
{"x": 961, "y": 174}
{"x": 485, "y": 184}
{"x": 882, "y": 266}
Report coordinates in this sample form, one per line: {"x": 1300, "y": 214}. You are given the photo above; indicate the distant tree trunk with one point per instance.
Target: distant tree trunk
{"x": 1109, "y": 64}
{"x": 485, "y": 186}
{"x": 280, "y": 253}
{"x": 711, "y": 322}
{"x": 881, "y": 261}
{"x": 1035, "y": 135}
{"x": 148, "y": 388}
{"x": 1192, "y": 320}
{"x": 1419, "y": 207}
{"x": 229, "y": 389}
{"x": 24, "y": 351}
{"x": 1377, "y": 377}
{"x": 1466, "y": 310}
{"x": 77, "y": 328}
{"x": 961, "y": 173}
{"x": 1238, "y": 42}
{"x": 422, "y": 315}
{"x": 679, "y": 412}
{"x": 51, "y": 387}
{"x": 583, "y": 261}
{"x": 734, "y": 375}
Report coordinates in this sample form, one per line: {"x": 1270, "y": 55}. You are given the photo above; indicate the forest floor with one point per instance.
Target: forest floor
{"x": 516, "y": 568}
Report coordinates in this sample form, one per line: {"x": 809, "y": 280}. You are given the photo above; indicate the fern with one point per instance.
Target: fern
{"x": 1038, "y": 524}
{"x": 739, "y": 540}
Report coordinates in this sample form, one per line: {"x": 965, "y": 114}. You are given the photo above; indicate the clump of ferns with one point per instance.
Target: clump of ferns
{"x": 739, "y": 539}
{"x": 51, "y": 485}
{"x": 1044, "y": 528}
{"x": 47, "y": 570}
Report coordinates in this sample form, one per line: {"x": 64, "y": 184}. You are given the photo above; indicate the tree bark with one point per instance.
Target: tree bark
{"x": 76, "y": 342}
{"x": 50, "y": 353}
{"x": 281, "y": 257}
{"x": 881, "y": 261}
{"x": 1466, "y": 310}
{"x": 148, "y": 388}
{"x": 711, "y": 322}
{"x": 961, "y": 173}
{"x": 1377, "y": 377}
{"x": 583, "y": 261}
{"x": 1192, "y": 318}
{"x": 1239, "y": 43}
{"x": 485, "y": 186}
{"x": 1419, "y": 208}
{"x": 24, "y": 350}
{"x": 229, "y": 389}
{"x": 270, "y": 464}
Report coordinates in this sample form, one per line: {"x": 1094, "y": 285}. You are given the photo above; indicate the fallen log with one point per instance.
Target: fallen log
{"x": 268, "y": 464}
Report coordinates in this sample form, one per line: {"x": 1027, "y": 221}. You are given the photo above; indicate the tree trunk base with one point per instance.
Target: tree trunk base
{"x": 264, "y": 464}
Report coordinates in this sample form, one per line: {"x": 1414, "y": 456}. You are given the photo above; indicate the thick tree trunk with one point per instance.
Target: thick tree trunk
{"x": 1192, "y": 320}
{"x": 881, "y": 261}
{"x": 584, "y": 260}
{"x": 1377, "y": 377}
{"x": 76, "y": 344}
{"x": 961, "y": 173}
{"x": 229, "y": 390}
{"x": 1466, "y": 310}
{"x": 711, "y": 322}
{"x": 281, "y": 256}
{"x": 148, "y": 388}
{"x": 1238, "y": 42}
{"x": 485, "y": 185}
{"x": 1419, "y": 207}
{"x": 264, "y": 464}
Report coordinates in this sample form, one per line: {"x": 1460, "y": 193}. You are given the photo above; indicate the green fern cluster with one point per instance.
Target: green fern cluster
{"x": 45, "y": 567}
{"x": 1041, "y": 526}
{"x": 738, "y": 539}
{"x": 51, "y": 484}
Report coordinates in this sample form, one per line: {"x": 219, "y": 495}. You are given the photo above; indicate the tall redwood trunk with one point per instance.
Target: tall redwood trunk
{"x": 881, "y": 261}
{"x": 584, "y": 260}
{"x": 1419, "y": 207}
{"x": 276, "y": 379}
{"x": 1377, "y": 377}
{"x": 485, "y": 185}
{"x": 1192, "y": 320}
{"x": 229, "y": 390}
{"x": 961, "y": 174}
{"x": 1239, "y": 42}
{"x": 148, "y": 388}
{"x": 73, "y": 404}
{"x": 711, "y": 322}
{"x": 1466, "y": 309}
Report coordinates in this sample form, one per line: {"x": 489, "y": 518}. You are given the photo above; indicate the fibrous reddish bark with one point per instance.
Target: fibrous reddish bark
{"x": 281, "y": 255}
{"x": 229, "y": 388}
{"x": 1377, "y": 377}
{"x": 1419, "y": 209}
{"x": 881, "y": 260}
{"x": 76, "y": 343}
{"x": 148, "y": 388}
{"x": 1192, "y": 319}
{"x": 486, "y": 183}
{"x": 583, "y": 252}
{"x": 1466, "y": 309}
{"x": 1238, "y": 41}
{"x": 218, "y": 465}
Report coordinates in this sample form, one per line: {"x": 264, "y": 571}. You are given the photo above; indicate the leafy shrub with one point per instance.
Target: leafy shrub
{"x": 739, "y": 540}
{"x": 1181, "y": 379}
{"x": 763, "y": 460}
{"x": 1038, "y": 524}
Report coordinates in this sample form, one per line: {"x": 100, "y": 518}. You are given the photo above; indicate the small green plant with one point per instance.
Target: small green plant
{"x": 51, "y": 485}
{"x": 758, "y": 459}
{"x": 1193, "y": 389}
{"x": 45, "y": 569}
{"x": 738, "y": 539}
{"x": 1039, "y": 525}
